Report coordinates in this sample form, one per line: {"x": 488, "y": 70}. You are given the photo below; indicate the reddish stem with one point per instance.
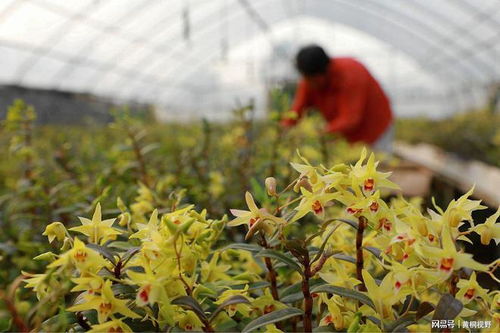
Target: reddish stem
{"x": 359, "y": 252}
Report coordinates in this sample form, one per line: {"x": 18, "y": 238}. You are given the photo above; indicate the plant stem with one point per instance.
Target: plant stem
{"x": 8, "y": 298}
{"x": 359, "y": 251}
{"x": 453, "y": 284}
{"x": 308, "y": 301}
{"x": 82, "y": 321}
{"x": 140, "y": 158}
{"x": 179, "y": 267}
{"x": 272, "y": 276}
{"x": 207, "y": 327}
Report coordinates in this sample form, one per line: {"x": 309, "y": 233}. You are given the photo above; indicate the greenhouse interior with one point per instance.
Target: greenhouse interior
{"x": 250, "y": 166}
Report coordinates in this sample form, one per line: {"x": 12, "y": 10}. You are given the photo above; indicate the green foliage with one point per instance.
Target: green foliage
{"x": 472, "y": 135}
{"x": 139, "y": 238}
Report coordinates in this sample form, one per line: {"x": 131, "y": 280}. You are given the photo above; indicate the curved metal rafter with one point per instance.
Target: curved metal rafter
{"x": 466, "y": 59}
{"x": 325, "y": 14}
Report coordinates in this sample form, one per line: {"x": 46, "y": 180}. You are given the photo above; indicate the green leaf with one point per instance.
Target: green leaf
{"x": 323, "y": 245}
{"x": 237, "y": 299}
{"x": 373, "y": 250}
{"x": 149, "y": 148}
{"x": 447, "y": 309}
{"x": 121, "y": 245}
{"x": 401, "y": 323}
{"x": 280, "y": 257}
{"x": 345, "y": 257}
{"x": 294, "y": 292}
{"x": 191, "y": 304}
{"x": 352, "y": 223}
{"x": 129, "y": 254}
{"x": 328, "y": 328}
{"x": 104, "y": 251}
{"x": 243, "y": 246}
{"x": 290, "y": 215}
{"x": 252, "y": 286}
{"x": 423, "y": 310}
{"x": 271, "y": 318}
{"x": 344, "y": 292}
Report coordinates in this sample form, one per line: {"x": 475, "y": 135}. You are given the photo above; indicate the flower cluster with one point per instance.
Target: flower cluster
{"x": 328, "y": 251}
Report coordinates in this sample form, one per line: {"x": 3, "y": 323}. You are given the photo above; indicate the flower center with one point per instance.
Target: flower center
{"x": 374, "y": 206}
{"x": 369, "y": 184}
{"x": 317, "y": 207}
{"x": 115, "y": 330}
{"x": 352, "y": 210}
{"x": 105, "y": 308}
{"x": 80, "y": 256}
{"x": 253, "y": 220}
{"x": 470, "y": 293}
{"x": 328, "y": 319}
{"x": 446, "y": 264}
{"x": 386, "y": 224}
{"x": 188, "y": 327}
{"x": 144, "y": 293}
{"x": 269, "y": 308}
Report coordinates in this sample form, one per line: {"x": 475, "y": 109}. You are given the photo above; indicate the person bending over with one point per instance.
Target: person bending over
{"x": 347, "y": 95}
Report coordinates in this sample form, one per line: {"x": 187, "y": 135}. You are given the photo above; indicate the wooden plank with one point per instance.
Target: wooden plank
{"x": 464, "y": 174}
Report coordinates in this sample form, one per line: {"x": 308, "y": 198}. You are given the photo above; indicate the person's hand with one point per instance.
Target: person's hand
{"x": 289, "y": 119}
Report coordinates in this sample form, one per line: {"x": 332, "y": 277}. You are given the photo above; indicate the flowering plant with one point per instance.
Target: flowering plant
{"x": 327, "y": 252}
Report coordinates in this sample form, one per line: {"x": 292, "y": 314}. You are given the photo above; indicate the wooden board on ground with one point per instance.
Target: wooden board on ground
{"x": 464, "y": 174}
{"x": 414, "y": 180}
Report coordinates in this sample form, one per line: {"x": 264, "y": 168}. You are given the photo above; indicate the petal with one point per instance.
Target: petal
{"x": 251, "y": 203}
{"x": 97, "y": 213}
{"x": 239, "y": 212}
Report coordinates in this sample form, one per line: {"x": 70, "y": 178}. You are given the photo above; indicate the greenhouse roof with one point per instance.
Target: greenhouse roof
{"x": 433, "y": 57}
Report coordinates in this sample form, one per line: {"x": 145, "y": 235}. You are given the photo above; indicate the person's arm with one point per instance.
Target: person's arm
{"x": 300, "y": 103}
{"x": 350, "y": 105}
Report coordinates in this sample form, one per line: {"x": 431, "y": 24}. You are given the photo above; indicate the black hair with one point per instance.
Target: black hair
{"x": 312, "y": 60}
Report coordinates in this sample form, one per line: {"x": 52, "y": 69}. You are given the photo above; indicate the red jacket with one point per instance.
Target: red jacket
{"x": 353, "y": 103}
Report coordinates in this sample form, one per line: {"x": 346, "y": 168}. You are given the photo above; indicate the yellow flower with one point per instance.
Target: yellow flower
{"x": 470, "y": 289}
{"x": 212, "y": 271}
{"x": 383, "y": 296}
{"x": 489, "y": 230}
{"x": 97, "y": 230}
{"x": 113, "y": 326}
{"x": 447, "y": 258}
{"x": 188, "y": 321}
{"x": 252, "y": 216}
{"x": 242, "y": 308}
{"x": 367, "y": 178}
{"x": 38, "y": 282}
{"x": 91, "y": 284}
{"x": 334, "y": 317}
{"x": 151, "y": 286}
{"x": 106, "y": 304}
{"x": 55, "y": 230}
{"x": 266, "y": 304}
{"x": 313, "y": 202}
{"x": 461, "y": 210}
{"x": 82, "y": 257}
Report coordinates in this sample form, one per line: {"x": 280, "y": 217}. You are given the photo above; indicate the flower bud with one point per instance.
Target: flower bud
{"x": 121, "y": 205}
{"x": 270, "y": 183}
{"x": 55, "y": 230}
{"x": 66, "y": 245}
{"x": 47, "y": 256}
{"x": 303, "y": 182}
{"x": 124, "y": 219}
